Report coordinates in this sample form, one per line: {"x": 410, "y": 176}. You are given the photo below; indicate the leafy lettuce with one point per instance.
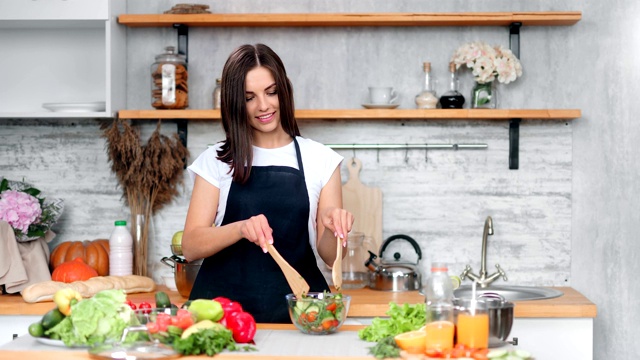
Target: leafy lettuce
{"x": 98, "y": 319}
{"x": 401, "y": 319}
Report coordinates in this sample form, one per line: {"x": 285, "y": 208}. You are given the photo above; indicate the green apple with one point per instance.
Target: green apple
{"x": 177, "y": 238}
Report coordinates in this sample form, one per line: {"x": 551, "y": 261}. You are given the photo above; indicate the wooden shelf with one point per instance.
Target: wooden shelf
{"x": 553, "y": 18}
{"x": 359, "y": 114}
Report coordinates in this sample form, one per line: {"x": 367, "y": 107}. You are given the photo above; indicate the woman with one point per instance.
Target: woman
{"x": 264, "y": 184}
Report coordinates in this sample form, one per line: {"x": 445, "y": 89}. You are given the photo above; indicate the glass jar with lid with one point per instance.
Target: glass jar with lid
{"x": 217, "y": 94}
{"x": 169, "y": 76}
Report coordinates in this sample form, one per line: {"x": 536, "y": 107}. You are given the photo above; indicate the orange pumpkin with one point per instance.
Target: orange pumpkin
{"x": 75, "y": 270}
{"x": 95, "y": 253}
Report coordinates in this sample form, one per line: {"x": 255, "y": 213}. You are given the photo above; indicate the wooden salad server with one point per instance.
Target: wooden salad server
{"x": 297, "y": 283}
{"x": 336, "y": 270}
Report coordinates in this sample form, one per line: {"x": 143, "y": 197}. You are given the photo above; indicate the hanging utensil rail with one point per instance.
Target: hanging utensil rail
{"x": 408, "y": 146}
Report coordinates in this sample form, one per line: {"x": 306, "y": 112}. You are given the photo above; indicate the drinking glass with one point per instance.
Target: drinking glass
{"x": 472, "y": 323}
{"x": 440, "y": 327}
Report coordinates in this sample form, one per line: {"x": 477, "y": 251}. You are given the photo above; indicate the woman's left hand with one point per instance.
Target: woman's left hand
{"x": 339, "y": 221}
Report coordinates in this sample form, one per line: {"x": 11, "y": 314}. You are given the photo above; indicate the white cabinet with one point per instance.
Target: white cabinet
{"x": 62, "y": 52}
{"x": 555, "y": 338}
{"x": 17, "y": 325}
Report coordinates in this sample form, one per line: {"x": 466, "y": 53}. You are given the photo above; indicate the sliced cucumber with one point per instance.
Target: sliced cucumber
{"x": 312, "y": 308}
{"x": 522, "y": 354}
{"x": 328, "y": 316}
{"x": 512, "y": 356}
{"x": 301, "y": 306}
{"x": 496, "y": 354}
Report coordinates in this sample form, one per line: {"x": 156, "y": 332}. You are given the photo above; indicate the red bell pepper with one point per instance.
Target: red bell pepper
{"x": 229, "y": 307}
{"x": 242, "y": 325}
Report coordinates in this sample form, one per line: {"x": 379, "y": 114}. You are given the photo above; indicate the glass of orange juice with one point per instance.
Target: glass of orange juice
{"x": 439, "y": 327}
{"x": 472, "y": 327}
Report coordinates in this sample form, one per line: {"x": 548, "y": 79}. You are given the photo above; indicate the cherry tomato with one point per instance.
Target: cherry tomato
{"x": 152, "y": 327}
{"x": 332, "y": 307}
{"x": 312, "y": 316}
{"x": 145, "y": 307}
{"x": 328, "y": 324}
{"x": 131, "y": 304}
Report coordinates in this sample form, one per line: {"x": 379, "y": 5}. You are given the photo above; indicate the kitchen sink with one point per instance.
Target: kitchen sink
{"x": 511, "y": 293}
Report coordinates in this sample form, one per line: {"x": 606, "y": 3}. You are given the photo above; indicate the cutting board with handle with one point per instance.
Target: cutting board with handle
{"x": 365, "y": 203}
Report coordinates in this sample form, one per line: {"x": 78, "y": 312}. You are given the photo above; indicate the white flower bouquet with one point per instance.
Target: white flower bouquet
{"x": 488, "y": 63}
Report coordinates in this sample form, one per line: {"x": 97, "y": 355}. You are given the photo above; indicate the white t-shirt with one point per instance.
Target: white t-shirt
{"x": 319, "y": 162}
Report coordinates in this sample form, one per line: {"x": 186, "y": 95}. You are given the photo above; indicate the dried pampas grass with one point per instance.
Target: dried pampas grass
{"x": 149, "y": 175}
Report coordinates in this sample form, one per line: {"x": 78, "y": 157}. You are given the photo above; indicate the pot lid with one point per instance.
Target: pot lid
{"x": 398, "y": 269}
{"x": 134, "y": 351}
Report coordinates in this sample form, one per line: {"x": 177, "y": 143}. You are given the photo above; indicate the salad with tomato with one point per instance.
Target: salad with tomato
{"x": 318, "y": 313}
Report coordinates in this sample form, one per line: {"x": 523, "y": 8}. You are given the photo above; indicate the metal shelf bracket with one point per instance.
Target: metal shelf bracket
{"x": 182, "y": 135}
{"x": 183, "y": 40}
{"x": 183, "y": 49}
{"x": 514, "y": 144}
{"x": 514, "y": 124}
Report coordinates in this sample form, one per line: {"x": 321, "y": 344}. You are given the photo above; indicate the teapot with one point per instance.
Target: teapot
{"x": 394, "y": 275}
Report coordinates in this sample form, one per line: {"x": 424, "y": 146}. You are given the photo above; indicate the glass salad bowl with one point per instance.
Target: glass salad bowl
{"x": 161, "y": 324}
{"x": 318, "y": 313}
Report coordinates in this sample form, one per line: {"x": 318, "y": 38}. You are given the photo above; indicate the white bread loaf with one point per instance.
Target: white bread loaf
{"x": 44, "y": 291}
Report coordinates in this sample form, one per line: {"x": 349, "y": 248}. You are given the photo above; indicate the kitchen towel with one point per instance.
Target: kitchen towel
{"x": 22, "y": 264}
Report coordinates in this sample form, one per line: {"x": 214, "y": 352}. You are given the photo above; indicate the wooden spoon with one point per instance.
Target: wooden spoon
{"x": 336, "y": 270}
{"x": 297, "y": 283}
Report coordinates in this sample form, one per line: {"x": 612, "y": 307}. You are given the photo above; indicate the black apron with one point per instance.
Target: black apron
{"x": 242, "y": 272}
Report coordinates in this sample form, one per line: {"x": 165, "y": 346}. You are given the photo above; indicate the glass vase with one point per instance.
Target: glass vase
{"x": 484, "y": 96}
{"x": 140, "y": 235}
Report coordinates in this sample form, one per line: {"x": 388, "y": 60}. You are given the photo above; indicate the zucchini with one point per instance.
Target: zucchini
{"x": 52, "y": 318}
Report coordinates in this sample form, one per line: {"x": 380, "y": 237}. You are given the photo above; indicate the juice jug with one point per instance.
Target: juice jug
{"x": 354, "y": 272}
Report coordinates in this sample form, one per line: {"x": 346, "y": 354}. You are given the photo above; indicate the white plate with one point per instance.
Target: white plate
{"x": 52, "y": 342}
{"x": 380, "y": 106}
{"x": 75, "y": 107}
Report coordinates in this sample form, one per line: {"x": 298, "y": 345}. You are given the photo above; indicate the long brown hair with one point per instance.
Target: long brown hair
{"x": 237, "y": 149}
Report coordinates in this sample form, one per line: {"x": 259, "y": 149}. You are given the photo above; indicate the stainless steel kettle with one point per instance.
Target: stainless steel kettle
{"x": 394, "y": 275}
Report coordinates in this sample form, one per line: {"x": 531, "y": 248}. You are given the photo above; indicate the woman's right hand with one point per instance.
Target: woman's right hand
{"x": 257, "y": 230}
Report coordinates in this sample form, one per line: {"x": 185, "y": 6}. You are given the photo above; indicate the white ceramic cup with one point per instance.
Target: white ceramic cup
{"x": 382, "y": 95}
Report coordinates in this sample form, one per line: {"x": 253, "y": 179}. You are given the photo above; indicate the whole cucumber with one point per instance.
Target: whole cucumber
{"x": 162, "y": 300}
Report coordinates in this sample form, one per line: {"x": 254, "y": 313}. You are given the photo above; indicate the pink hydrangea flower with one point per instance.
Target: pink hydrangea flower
{"x": 19, "y": 209}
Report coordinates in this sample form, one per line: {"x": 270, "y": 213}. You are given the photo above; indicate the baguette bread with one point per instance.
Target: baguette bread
{"x": 44, "y": 291}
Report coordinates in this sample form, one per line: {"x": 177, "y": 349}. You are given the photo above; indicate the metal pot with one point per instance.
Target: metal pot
{"x": 500, "y": 314}
{"x": 394, "y": 275}
{"x": 184, "y": 272}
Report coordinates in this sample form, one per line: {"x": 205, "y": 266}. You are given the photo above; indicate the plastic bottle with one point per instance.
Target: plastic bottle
{"x": 120, "y": 250}
{"x": 439, "y": 288}
{"x": 439, "y": 306}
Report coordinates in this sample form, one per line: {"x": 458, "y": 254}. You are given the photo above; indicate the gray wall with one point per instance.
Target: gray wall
{"x": 567, "y": 217}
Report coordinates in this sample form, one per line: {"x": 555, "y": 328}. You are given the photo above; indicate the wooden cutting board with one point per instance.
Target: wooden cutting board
{"x": 365, "y": 203}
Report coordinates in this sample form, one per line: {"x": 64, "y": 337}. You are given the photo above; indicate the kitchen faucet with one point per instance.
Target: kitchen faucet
{"x": 483, "y": 280}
